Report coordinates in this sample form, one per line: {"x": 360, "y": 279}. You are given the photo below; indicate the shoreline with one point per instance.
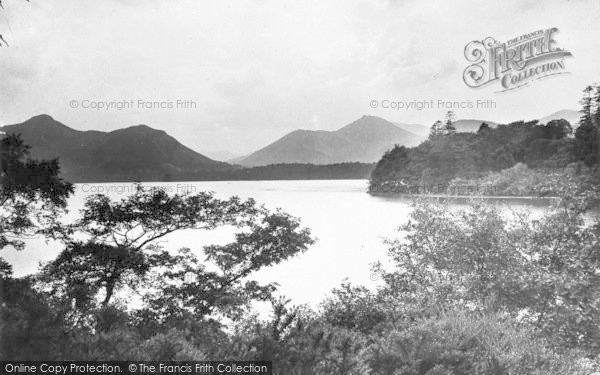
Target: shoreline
{"x": 549, "y": 199}
{"x": 447, "y": 196}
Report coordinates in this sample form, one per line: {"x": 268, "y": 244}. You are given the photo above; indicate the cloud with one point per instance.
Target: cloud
{"x": 260, "y": 69}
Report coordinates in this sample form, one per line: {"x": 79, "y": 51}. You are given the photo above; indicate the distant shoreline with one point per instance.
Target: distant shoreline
{"x": 374, "y": 194}
{"x": 446, "y": 196}
{"x": 291, "y": 178}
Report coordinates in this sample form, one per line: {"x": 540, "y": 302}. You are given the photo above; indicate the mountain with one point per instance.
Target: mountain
{"x": 364, "y": 140}
{"x": 417, "y": 129}
{"x": 236, "y": 160}
{"x": 471, "y": 125}
{"x": 568, "y": 114}
{"x": 137, "y": 153}
{"x": 222, "y": 155}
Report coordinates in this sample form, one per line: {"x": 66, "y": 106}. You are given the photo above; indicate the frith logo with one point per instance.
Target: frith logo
{"x": 514, "y": 63}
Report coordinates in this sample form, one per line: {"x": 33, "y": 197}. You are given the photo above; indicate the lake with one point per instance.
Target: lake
{"x": 349, "y": 225}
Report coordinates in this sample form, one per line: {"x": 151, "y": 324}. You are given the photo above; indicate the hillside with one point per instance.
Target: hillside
{"x": 568, "y": 114}
{"x": 222, "y": 155}
{"x": 364, "y": 140}
{"x": 471, "y": 125}
{"x": 130, "y": 154}
{"x": 417, "y": 129}
{"x": 471, "y": 156}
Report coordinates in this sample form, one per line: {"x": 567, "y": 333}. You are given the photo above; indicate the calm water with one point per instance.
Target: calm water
{"x": 348, "y": 223}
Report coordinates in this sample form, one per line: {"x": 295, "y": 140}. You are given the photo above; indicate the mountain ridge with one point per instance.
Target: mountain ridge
{"x": 363, "y": 140}
{"x": 135, "y": 153}
{"x": 142, "y": 153}
{"x": 570, "y": 115}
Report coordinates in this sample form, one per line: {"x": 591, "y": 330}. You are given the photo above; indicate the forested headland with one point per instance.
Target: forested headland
{"x": 520, "y": 158}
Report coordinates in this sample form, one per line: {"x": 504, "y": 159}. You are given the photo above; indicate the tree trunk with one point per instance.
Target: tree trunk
{"x": 110, "y": 288}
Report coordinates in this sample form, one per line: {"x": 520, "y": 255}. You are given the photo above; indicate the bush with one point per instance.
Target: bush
{"x": 461, "y": 343}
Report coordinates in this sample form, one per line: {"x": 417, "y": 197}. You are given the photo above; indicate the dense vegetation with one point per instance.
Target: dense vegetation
{"x": 31, "y": 195}
{"x": 469, "y": 292}
{"x": 552, "y": 155}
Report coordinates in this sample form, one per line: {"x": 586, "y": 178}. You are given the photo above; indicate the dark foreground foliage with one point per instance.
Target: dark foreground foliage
{"x": 470, "y": 292}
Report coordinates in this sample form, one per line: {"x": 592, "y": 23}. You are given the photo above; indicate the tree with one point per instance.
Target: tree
{"x": 542, "y": 271}
{"x": 597, "y": 104}
{"x": 586, "y": 106}
{"x": 587, "y": 135}
{"x": 148, "y": 215}
{"x": 382, "y": 176}
{"x": 267, "y": 239}
{"x": 5, "y": 269}
{"x": 32, "y": 326}
{"x": 436, "y": 130}
{"x": 459, "y": 342}
{"x": 470, "y": 156}
{"x": 449, "y": 123}
{"x": 596, "y": 118}
{"x": 355, "y": 308}
{"x": 2, "y": 40}
{"x": 32, "y": 195}
{"x": 483, "y": 128}
{"x": 557, "y": 129}
{"x": 83, "y": 269}
{"x": 121, "y": 248}
{"x": 445, "y": 128}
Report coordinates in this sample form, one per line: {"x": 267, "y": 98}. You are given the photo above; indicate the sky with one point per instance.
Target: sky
{"x": 246, "y": 73}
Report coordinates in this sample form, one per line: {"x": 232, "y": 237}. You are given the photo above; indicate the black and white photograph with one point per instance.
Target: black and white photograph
{"x": 333, "y": 187}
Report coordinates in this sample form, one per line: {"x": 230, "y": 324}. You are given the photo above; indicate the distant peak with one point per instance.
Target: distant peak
{"x": 42, "y": 117}
{"x": 366, "y": 122}
{"x": 567, "y": 110}
{"x": 140, "y": 129}
{"x": 368, "y": 117}
{"x": 43, "y": 121}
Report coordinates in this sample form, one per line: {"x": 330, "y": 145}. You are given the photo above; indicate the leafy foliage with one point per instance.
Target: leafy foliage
{"x": 32, "y": 195}
{"x": 544, "y": 272}
{"x": 470, "y": 156}
{"x": 122, "y": 249}
{"x": 268, "y": 239}
{"x": 472, "y": 291}
{"x": 576, "y": 181}
{"x": 446, "y": 156}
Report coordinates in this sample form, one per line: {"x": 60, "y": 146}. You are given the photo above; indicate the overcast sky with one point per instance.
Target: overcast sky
{"x": 260, "y": 69}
